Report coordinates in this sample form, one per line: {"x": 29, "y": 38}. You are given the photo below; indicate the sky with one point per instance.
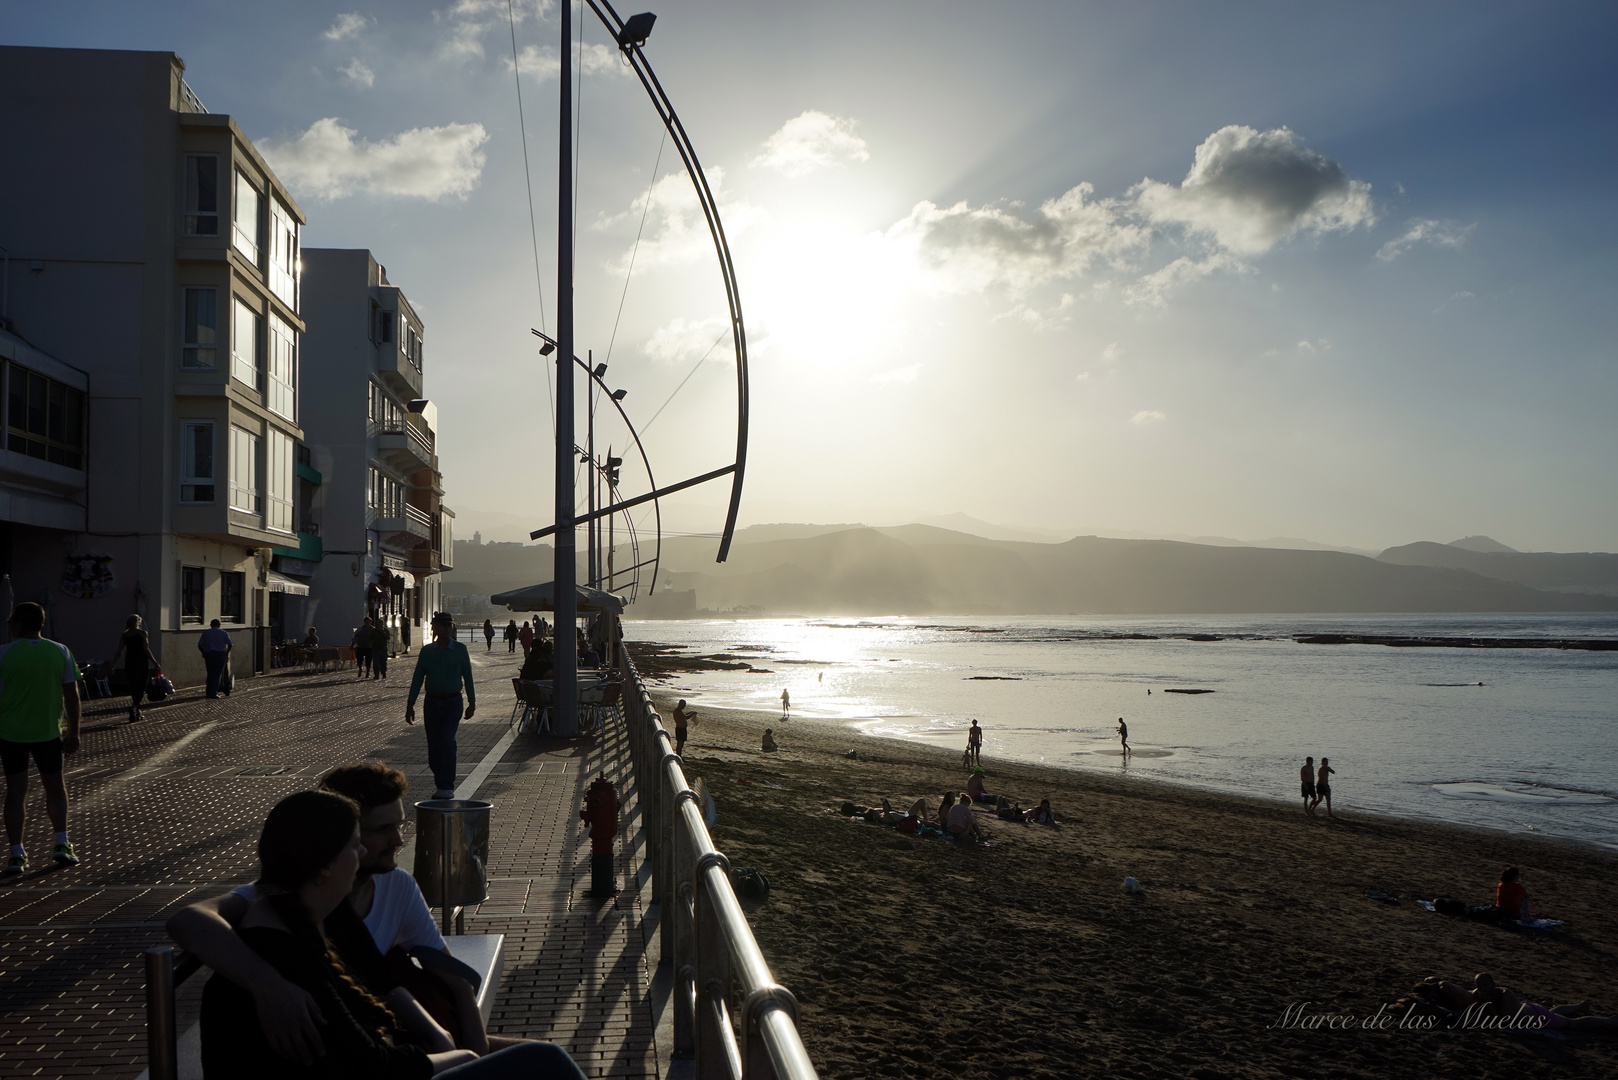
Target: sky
{"x": 1342, "y": 272}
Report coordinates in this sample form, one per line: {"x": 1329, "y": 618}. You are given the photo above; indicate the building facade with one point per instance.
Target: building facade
{"x": 376, "y": 534}
{"x": 153, "y": 323}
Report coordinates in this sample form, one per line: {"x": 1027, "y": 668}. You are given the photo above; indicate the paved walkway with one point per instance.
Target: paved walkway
{"x": 168, "y": 811}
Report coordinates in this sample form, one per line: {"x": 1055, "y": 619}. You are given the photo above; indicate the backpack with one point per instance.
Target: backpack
{"x": 751, "y": 884}
{"x": 160, "y": 687}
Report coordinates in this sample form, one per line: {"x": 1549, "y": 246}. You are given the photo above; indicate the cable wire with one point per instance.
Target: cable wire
{"x": 636, "y": 249}
{"x": 645, "y": 427}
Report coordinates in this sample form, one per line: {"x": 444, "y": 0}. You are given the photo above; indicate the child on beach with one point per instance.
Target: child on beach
{"x": 769, "y": 746}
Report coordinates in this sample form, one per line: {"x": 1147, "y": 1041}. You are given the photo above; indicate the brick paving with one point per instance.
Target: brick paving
{"x": 168, "y": 811}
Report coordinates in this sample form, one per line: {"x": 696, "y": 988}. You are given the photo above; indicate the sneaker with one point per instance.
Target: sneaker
{"x": 444, "y": 793}
{"x": 17, "y": 864}
{"x": 64, "y": 855}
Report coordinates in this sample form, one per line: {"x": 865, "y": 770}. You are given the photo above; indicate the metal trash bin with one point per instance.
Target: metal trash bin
{"x": 452, "y": 853}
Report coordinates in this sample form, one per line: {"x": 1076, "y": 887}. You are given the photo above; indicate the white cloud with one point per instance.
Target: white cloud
{"x": 812, "y": 140}
{"x": 1111, "y": 353}
{"x": 1450, "y": 234}
{"x": 1148, "y": 416}
{"x": 684, "y": 341}
{"x": 470, "y": 20}
{"x": 1314, "y": 347}
{"x": 327, "y": 162}
{"x": 347, "y": 25}
{"x": 1247, "y": 190}
{"x": 542, "y": 63}
{"x": 1153, "y": 288}
{"x": 1083, "y": 376}
{"x": 676, "y": 231}
{"x": 358, "y": 73}
{"x": 906, "y": 374}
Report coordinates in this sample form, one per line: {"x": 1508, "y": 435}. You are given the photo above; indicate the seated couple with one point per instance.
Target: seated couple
{"x": 302, "y": 985}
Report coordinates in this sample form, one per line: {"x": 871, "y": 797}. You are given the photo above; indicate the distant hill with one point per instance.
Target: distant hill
{"x": 1592, "y": 573}
{"x": 1487, "y": 544}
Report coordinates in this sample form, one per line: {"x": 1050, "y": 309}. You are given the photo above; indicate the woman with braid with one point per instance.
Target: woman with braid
{"x": 309, "y": 852}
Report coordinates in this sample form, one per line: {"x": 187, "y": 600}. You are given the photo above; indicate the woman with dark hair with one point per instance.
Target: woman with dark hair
{"x": 136, "y": 649}
{"x": 309, "y": 852}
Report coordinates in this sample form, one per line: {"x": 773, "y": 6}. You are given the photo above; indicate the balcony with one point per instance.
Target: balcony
{"x": 405, "y": 447}
{"x": 403, "y": 531}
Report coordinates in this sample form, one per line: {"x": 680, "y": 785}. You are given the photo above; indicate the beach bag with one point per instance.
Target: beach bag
{"x": 751, "y": 884}
{"x": 160, "y": 686}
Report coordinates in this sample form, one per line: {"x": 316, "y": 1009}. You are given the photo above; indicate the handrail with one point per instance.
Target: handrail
{"x": 704, "y": 932}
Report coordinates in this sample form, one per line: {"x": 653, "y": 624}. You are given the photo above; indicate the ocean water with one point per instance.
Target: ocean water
{"x": 1409, "y": 731}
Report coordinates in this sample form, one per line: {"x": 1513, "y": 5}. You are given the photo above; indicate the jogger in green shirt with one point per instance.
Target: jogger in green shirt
{"x": 38, "y": 685}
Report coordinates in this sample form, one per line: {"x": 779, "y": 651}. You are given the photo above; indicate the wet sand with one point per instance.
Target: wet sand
{"x": 1024, "y": 958}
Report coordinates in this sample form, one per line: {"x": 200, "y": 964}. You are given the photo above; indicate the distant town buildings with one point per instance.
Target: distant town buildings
{"x": 163, "y": 454}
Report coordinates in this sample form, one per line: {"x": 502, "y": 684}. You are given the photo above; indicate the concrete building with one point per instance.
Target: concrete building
{"x": 153, "y": 326}
{"x": 376, "y": 532}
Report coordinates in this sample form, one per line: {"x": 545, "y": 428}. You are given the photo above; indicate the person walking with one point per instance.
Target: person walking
{"x": 1306, "y": 777}
{"x": 215, "y": 645}
{"x": 974, "y": 743}
{"x": 526, "y": 636}
{"x": 1323, "y": 785}
{"x": 1123, "y": 735}
{"x": 380, "y": 639}
{"x": 361, "y": 641}
{"x": 786, "y": 705}
{"x": 39, "y": 685}
{"x": 488, "y": 636}
{"x": 511, "y": 636}
{"x": 136, "y": 648}
{"x": 442, "y": 666}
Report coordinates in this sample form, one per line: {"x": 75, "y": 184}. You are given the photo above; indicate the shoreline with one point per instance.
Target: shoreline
{"x": 919, "y": 958}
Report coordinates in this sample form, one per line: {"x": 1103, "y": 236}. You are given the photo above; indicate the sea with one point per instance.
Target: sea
{"x": 1518, "y": 740}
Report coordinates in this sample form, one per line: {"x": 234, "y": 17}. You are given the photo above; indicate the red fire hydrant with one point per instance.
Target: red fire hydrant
{"x": 600, "y": 813}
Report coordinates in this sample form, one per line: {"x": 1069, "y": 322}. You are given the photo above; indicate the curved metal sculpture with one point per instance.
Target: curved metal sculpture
{"x": 630, "y": 36}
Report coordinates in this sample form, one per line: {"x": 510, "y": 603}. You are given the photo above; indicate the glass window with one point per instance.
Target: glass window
{"x": 201, "y": 195}
{"x": 245, "y": 235}
{"x": 244, "y": 344}
{"x": 246, "y": 472}
{"x": 196, "y": 462}
{"x": 232, "y": 596}
{"x": 190, "y": 594}
{"x": 45, "y": 418}
{"x": 283, "y": 368}
{"x": 384, "y": 326}
{"x": 283, "y": 254}
{"x": 200, "y": 341}
{"x": 280, "y": 477}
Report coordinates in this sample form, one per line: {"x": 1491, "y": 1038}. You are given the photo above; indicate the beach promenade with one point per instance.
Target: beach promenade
{"x": 167, "y": 811}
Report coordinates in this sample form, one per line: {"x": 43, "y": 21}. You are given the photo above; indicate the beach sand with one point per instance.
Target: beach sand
{"x": 1024, "y": 958}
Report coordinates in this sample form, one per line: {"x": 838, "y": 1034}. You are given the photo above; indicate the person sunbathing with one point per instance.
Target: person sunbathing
{"x": 1488, "y": 998}
{"x": 1042, "y": 814}
{"x": 974, "y": 787}
{"x": 962, "y": 823}
{"x": 943, "y": 806}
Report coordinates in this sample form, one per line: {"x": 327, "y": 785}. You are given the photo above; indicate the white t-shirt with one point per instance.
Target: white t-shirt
{"x": 399, "y": 913}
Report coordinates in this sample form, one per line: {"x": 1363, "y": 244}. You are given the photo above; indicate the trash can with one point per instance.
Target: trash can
{"x": 452, "y": 852}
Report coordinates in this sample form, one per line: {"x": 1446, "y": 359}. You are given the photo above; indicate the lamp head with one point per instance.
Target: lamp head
{"x": 637, "y": 30}
{"x": 619, "y": 395}
{"x": 546, "y": 348}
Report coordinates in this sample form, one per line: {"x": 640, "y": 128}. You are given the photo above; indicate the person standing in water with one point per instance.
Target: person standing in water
{"x": 1323, "y": 785}
{"x": 1306, "y": 777}
{"x": 786, "y": 704}
{"x": 1123, "y": 735}
{"x": 974, "y": 744}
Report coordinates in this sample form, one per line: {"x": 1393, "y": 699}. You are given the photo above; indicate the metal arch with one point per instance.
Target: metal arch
{"x": 657, "y": 506}
{"x": 710, "y": 210}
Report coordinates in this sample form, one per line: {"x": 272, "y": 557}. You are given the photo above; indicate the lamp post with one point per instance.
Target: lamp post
{"x": 565, "y": 688}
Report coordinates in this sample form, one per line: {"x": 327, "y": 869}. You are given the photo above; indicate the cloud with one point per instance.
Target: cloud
{"x": 1083, "y": 376}
{"x": 1314, "y": 347}
{"x": 1147, "y": 416}
{"x": 542, "y": 62}
{"x": 676, "y": 232}
{"x": 470, "y": 20}
{"x": 1153, "y": 288}
{"x": 347, "y": 25}
{"x": 906, "y": 374}
{"x": 809, "y": 141}
{"x": 358, "y": 73}
{"x": 1111, "y": 353}
{"x": 684, "y": 341}
{"x": 1248, "y": 190}
{"x": 1450, "y": 234}
{"x": 327, "y": 162}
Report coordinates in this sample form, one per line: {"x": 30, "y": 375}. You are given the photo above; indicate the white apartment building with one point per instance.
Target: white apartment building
{"x": 153, "y": 333}
{"x": 376, "y": 532}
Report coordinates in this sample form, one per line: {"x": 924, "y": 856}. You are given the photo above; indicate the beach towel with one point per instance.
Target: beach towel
{"x": 1378, "y": 894}
{"x": 1509, "y": 924}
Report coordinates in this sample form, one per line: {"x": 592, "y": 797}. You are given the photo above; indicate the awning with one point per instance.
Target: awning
{"x": 282, "y": 584}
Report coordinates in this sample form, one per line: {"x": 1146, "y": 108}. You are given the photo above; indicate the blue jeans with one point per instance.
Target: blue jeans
{"x": 215, "y": 662}
{"x": 527, "y": 1061}
{"x": 442, "y": 719}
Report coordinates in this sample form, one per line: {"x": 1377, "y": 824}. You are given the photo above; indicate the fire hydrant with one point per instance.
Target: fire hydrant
{"x": 600, "y": 813}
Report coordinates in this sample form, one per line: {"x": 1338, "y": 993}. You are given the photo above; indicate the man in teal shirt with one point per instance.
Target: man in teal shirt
{"x": 38, "y": 683}
{"x": 442, "y": 665}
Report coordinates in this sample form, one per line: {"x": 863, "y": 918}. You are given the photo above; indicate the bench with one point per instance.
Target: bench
{"x": 171, "y": 1058}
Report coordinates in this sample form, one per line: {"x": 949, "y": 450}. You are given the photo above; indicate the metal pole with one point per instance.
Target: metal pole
{"x": 565, "y": 692}
{"x": 162, "y": 1058}
{"x": 590, "y": 473}
{"x": 443, "y": 826}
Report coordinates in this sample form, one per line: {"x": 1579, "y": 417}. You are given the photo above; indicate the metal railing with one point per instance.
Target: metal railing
{"x": 703, "y": 930}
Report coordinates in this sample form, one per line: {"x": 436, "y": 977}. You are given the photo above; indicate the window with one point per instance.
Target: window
{"x": 283, "y": 254}
{"x": 246, "y": 232}
{"x": 201, "y": 195}
{"x": 374, "y": 329}
{"x": 384, "y": 326}
{"x": 384, "y": 413}
{"x": 244, "y": 344}
{"x": 45, "y": 418}
{"x": 412, "y": 346}
{"x": 246, "y": 473}
{"x": 283, "y": 368}
{"x": 232, "y": 596}
{"x": 196, "y": 462}
{"x": 200, "y": 340}
{"x": 190, "y": 594}
{"x": 279, "y": 468}
{"x": 386, "y": 496}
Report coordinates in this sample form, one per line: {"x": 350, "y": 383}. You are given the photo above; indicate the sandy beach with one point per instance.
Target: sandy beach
{"x": 1024, "y": 958}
